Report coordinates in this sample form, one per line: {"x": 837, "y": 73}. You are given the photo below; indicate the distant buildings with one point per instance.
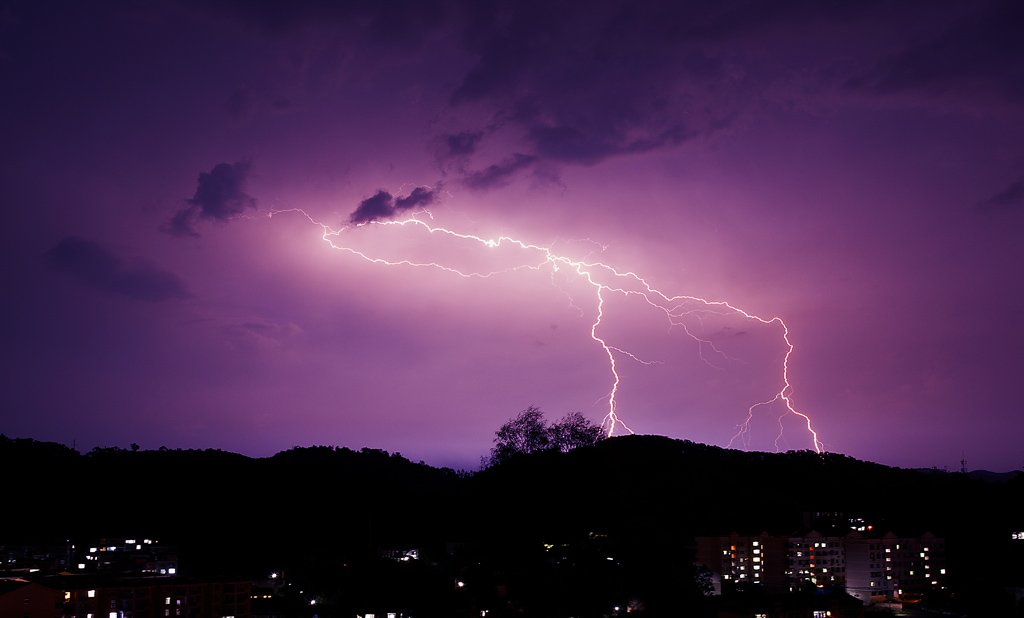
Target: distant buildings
{"x": 137, "y": 555}
{"x": 404, "y": 554}
{"x": 111, "y": 578}
{"x": 871, "y": 568}
{"x": 124, "y": 555}
{"x": 117, "y": 596}
{"x": 152, "y": 597}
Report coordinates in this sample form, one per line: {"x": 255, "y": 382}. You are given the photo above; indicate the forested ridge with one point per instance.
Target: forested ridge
{"x": 621, "y": 515}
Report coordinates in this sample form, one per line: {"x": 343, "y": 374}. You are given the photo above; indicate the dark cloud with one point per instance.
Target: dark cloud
{"x": 95, "y": 265}
{"x": 982, "y": 52}
{"x": 462, "y": 144}
{"x": 454, "y": 150}
{"x": 571, "y": 145}
{"x": 499, "y": 174}
{"x": 382, "y": 205}
{"x": 582, "y": 82}
{"x": 420, "y": 197}
{"x": 585, "y": 82}
{"x": 219, "y": 196}
{"x": 1011, "y": 198}
{"x": 399, "y": 24}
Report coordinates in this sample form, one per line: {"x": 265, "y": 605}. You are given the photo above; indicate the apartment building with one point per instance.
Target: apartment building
{"x": 872, "y": 568}
{"x": 891, "y": 567}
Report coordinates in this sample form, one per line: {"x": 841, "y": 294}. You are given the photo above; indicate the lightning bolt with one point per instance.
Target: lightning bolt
{"x": 605, "y": 280}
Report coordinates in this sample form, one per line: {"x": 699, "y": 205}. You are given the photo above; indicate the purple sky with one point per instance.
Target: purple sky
{"x": 854, "y": 168}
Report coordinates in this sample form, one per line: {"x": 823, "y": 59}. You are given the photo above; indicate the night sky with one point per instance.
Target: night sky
{"x": 855, "y": 169}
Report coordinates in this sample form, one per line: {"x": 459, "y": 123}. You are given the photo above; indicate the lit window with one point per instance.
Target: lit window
{"x": 942, "y": 571}
{"x": 92, "y": 593}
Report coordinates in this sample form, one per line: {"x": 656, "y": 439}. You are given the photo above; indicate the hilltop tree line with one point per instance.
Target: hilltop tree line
{"x": 529, "y": 432}
{"x": 560, "y": 522}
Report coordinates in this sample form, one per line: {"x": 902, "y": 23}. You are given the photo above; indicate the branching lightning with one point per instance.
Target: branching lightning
{"x": 605, "y": 280}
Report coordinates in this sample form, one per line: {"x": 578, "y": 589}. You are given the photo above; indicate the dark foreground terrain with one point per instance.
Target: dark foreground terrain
{"x": 577, "y": 533}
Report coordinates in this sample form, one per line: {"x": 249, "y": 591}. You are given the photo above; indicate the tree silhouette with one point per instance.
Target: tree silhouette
{"x": 574, "y": 430}
{"x": 529, "y": 432}
{"x": 526, "y": 433}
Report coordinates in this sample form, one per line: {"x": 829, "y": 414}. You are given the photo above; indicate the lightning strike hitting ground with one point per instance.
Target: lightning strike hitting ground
{"x": 605, "y": 280}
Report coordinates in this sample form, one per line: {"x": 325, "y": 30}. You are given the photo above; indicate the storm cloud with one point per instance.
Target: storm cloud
{"x": 382, "y": 205}
{"x": 1010, "y": 198}
{"x": 97, "y": 266}
{"x": 499, "y": 174}
{"x": 220, "y": 196}
{"x": 980, "y": 52}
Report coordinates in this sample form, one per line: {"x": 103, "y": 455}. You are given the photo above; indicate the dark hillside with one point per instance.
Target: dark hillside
{"x": 574, "y": 532}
